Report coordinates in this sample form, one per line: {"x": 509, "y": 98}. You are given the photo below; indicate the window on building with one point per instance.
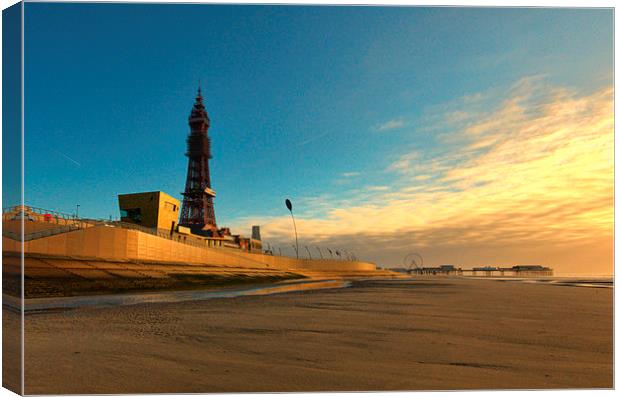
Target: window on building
{"x": 170, "y": 206}
{"x": 131, "y": 215}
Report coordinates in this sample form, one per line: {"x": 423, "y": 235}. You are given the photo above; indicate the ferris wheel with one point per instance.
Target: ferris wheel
{"x": 413, "y": 261}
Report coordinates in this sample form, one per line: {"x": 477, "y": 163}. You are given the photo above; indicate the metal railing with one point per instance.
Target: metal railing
{"x": 309, "y": 252}
{"x": 69, "y": 222}
{"x": 56, "y": 215}
{"x": 40, "y": 233}
{"x": 63, "y": 222}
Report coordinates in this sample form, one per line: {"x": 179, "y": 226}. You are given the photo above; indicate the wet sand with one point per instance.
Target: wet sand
{"x": 442, "y": 333}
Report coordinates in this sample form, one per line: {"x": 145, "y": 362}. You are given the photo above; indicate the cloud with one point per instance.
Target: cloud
{"x": 529, "y": 180}
{"x": 404, "y": 163}
{"x": 378, "y": 188}
{"x": 391, "y": 125}
{"x": 349, "y": 174}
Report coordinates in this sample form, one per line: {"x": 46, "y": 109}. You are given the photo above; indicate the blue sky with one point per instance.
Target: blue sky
{"x": 318, "y": 104}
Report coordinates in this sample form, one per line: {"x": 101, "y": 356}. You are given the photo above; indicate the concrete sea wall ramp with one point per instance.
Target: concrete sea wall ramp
{"x": 119, "y": 244}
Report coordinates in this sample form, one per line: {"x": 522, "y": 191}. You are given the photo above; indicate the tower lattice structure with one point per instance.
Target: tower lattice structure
{"x": 197, "y": 211}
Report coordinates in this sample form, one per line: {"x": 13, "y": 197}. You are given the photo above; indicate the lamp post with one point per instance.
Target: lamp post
{"x": 289, "y": 205}
{"x": 77, "y": 210}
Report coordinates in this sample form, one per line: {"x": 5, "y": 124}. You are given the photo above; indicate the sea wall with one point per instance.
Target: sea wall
{"x": 113, "y": 243}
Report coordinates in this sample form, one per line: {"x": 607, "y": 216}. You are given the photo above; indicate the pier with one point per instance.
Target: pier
{"x": 486, "y": 271}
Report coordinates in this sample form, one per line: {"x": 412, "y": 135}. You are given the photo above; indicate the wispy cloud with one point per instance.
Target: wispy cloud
{"x": 405, "y": 162}
{"x": 349, "y": 174}
{"x": 391, "y": 125}
{"x": 530, "y": 180}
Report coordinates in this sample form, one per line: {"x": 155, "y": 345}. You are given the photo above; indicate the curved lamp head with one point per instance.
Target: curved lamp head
{"x": 289, "y": 205}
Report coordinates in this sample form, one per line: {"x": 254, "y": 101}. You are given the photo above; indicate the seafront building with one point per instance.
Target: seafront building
{"x": 150, "y": 209}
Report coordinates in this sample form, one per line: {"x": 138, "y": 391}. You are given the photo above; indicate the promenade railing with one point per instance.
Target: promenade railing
{"x": 69, "y": 222}
{"x": 309, "y": 251}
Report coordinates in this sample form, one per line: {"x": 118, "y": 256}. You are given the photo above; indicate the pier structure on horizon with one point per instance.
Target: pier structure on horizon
{"x": 487, "y": 271}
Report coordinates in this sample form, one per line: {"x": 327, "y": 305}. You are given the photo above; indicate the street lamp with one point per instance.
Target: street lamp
{"x": 289, "y": 205}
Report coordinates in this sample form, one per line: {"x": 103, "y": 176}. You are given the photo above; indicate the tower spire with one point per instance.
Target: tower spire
{"x": 198, "y": 118}
{"x": 197, "y": 211}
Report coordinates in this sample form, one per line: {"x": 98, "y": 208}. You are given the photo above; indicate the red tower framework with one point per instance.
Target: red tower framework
{"x": 197, "y": 211}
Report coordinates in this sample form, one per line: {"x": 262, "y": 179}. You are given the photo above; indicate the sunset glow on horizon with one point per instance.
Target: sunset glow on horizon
{"x": 530, "y": 181}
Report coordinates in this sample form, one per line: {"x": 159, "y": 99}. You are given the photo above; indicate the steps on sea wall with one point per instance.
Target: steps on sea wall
{"x": 62, "y": 276}
{"x": 50, "y": 266}
{"x": 350, "y": 274}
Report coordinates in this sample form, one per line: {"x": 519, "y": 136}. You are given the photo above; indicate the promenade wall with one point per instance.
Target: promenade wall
{"x": 113, "y": 243}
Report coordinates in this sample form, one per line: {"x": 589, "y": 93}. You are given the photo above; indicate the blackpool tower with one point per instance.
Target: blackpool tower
{"x": 197, "y": 211}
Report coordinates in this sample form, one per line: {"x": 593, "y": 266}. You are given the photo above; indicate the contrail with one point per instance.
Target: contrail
{"x": 314, "y": 138}
{"x": 68, "y": 158}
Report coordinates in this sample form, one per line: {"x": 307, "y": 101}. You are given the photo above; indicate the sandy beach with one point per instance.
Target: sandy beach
{"x": 427, "y": 334}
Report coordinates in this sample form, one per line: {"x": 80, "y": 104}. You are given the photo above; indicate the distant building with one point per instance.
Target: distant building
{"x": 150, "y": 209}
{"x": 485, "y": 269}
{"x": 532, "y": 270}
{"x": 256, "y": 233}
{"x": 442, "y": 270}
{"x": 517, "y": 270}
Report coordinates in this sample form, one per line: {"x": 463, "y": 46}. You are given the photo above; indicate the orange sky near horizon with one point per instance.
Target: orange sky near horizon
{"x": 530, "y": 181}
